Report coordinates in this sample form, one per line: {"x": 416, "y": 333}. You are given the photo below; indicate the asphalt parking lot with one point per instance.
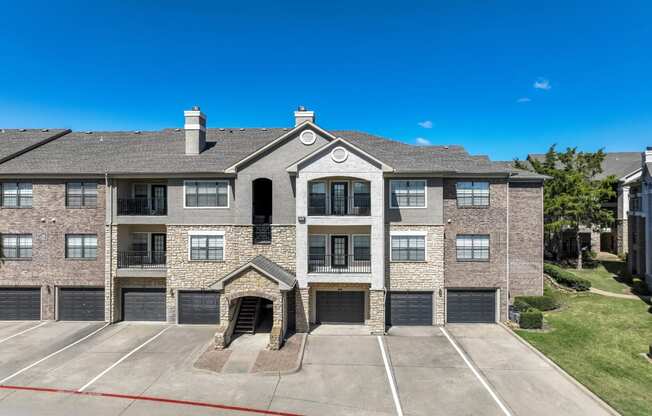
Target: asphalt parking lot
{"x": 63, "y": 368}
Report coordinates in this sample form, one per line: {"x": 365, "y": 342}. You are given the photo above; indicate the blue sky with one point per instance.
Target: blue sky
{"x": 502, "y": 78}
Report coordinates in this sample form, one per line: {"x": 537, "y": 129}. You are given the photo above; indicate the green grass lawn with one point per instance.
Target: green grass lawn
{"x": 608, "y": 275}
{"x": 599, "y": 341}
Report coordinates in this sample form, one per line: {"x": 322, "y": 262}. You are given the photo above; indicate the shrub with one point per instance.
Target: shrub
{"x": 531, "y": 319}
{"x": 542, "y": 303}
{"x": 566, "y": 278}
{"x": 520, "y": 305}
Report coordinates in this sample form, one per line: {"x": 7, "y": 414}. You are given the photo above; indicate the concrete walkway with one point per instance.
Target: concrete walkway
{"x": 616, "y": 295}
{"x": 244, "y": 351}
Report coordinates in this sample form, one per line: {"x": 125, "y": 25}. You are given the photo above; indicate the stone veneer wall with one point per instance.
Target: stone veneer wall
{"x": 183, "y": 273}
{"x": 49, "y": 221}
{"x": 491, "y": 220}
{"x": 526, "y": 239}
{"x": 419, "y": 276}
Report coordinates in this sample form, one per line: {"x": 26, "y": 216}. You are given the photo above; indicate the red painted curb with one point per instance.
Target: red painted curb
{"x": 149, "y": 399}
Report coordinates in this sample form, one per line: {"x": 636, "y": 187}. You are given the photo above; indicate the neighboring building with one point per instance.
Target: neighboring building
{"x": 638, "y": 189}
{"x": 284, "y": 227}
{"x": 611, "y": 239}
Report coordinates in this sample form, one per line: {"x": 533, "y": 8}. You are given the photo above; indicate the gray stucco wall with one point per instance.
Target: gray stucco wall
{"x": 431, "y": 215}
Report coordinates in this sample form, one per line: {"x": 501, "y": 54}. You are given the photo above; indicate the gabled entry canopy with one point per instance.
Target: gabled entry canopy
{"x": 264, "y": 266}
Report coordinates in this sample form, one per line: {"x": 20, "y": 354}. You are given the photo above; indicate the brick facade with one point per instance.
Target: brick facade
{"x": 525, "y": 239}
{"x": 49, "y": 220}
{"x": 492, "y": 220}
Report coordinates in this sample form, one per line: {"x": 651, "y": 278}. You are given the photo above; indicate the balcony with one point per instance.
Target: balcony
{"x": 357, "y": 205}
{"x": 142, "y": 260}
{"x": 337, "y": 264}
{"x": 142, "y": 206}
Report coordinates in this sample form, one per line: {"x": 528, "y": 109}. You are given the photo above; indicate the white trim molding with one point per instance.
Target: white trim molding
{"x": 425, "y": 193}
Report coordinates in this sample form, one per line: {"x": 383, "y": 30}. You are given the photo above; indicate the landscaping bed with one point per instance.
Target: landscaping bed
{"x": 600, "y": 341}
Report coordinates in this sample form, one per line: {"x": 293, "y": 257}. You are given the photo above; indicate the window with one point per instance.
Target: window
{"x": 361, "y": 248}
{"x": 472, "y": 194}
{"x": 317, "y": 246}
{"x": 472, "y": 247}
{"x": 361, "y": 191}
{"x": 317, "y": 198}
{"x": 16, "y": 194}
{"x": 81, "y": 194}
{"x": 81, "y": 246}
{"x": 206, "y": 247}
{"x": 407, "y": 194}
{"x": 140, "y": 242}
{"x": 408, "y": 247}
{"x": 207, "y": 194}
{"x": 17, "y": 246}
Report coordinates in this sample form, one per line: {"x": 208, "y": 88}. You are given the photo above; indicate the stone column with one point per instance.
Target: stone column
{"x": 302, "y": 310}
{"x": 377, "y": 312}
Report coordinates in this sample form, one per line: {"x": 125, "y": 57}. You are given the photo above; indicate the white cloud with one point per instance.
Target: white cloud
{"x": 426, "y": 124}
{"x": 542, "y": 84}
{"x": 422, "y": 142}
{"x": 524, "y": 100}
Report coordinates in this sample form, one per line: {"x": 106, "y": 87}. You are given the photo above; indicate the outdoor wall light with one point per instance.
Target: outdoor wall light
{"x": 441, "y": 292}
{"x": 172, "y": 292}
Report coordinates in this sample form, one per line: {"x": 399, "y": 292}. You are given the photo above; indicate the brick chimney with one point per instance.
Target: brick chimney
{"x": 302, "y": 115}
{"x": 195, "y": 128}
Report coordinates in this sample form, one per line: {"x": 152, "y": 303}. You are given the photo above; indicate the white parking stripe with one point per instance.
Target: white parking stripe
{"x": 476, "y": 373}
{"x": 51, "y": 355}
{"x": 130, "y": 353}
{"x": 22, "y": 332}
{"x": 390, "y": 377}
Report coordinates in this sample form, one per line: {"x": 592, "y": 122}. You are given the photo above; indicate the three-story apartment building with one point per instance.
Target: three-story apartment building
{"x": 284, "y": 227}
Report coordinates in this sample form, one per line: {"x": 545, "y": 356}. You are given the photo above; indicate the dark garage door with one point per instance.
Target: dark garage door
{"x": 407, "y": 308}
{"x": 340, "y": 307}
{"x": 81, "y": 304}
{"x": 471, "y": 306}
{"x": 143, "y": 304}
{"x": 20, "y": 304}
{"x": 199, "y": 308}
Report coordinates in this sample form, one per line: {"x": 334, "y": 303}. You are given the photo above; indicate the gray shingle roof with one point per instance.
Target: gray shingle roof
{"x": 285, "y": 279}
{"x": 14, "y": 141}
{"x": 163, "y": 152}
{"x": 618, "y": 164}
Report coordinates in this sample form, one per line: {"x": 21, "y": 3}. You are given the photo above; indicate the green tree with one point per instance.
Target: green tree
{"x": 573, "y": 198}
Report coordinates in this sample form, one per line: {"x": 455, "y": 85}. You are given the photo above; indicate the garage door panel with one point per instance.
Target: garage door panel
{"x": 81, "y": 304}
{"x": 340, "y": 307}
{"x": 20, "y": 304}
{"x": 199, "y": 308}
{"x": 471, "y": 306}
{"x": 143, "y": 304}
{"x": 410, "y": 308}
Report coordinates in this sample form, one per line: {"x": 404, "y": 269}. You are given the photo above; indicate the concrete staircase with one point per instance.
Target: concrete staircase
{"x": 248, "y": 316}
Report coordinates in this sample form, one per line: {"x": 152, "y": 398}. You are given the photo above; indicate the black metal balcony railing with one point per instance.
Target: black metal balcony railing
{"x": 337, "y": 264}
{"x": 142, "y": 206}
{"x": 141, "y": 260}
{"x": 357, "y": 205}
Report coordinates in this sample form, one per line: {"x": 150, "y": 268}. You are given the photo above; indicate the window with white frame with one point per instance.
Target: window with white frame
{"x": 81, "y": 246}
{"x": 407, "y": 193}
{"x": 207, "y": 247}
{"x": 361, "y": 248}
{"x": 139, "y": 242}
{"x": 16, "y": 194}
{"x": 316, "y": 247}
{"x": 16, "y": 246}
{"x": 81, "y": 194}
{"x": 207, "y": 194}
{"x": 472, "y": 247}
{"x": 408, "y": 247}
{"x": 473, "y": 194}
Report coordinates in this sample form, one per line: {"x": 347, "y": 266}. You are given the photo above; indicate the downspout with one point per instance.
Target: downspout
{"x": 110, "y": 209}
